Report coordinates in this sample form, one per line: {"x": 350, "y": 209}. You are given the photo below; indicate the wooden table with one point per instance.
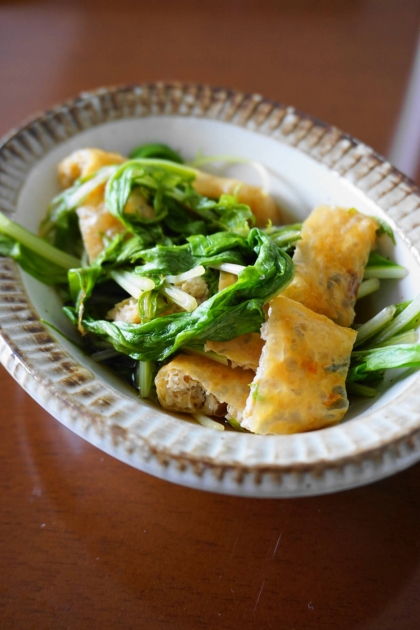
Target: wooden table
{"x": 87, "y": 542}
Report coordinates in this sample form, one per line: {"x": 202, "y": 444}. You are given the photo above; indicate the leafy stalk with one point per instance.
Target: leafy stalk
{"x": 367, "y": 287}
{"x": 144, "y": 378}
{"x": 207, "y": 422}
{"x": 132, "y": 283}
{"x": 361, "y": 391}
{"x": 410, "y": 336}
{"x": 378, "y": 359}
{"x": 181, "y": 298}
{"x": 36, "y": 245}
{"x": 371, "y": 327}
{"x": 382, "y": 268}
{"x": 408, "y": 319}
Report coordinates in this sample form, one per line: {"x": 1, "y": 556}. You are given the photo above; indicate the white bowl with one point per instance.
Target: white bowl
{"x": 313, "y": 163}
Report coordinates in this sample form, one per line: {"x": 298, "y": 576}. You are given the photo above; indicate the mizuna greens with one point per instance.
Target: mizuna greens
{"x": 236, "y": 310}
{"x": 172, "y": 243}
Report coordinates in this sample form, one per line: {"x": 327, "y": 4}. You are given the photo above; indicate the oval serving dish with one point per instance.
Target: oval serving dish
{"x": 311, "y": 163}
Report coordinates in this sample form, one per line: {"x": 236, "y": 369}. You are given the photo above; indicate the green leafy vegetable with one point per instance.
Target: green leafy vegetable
{"x": 81, "y": 283}
{"x": 228, "y": 314}
{"x": 378, "y": 359}
{"x": 37, "y": 266}
{"x": 145, "y": 373}
{"x": 34, "y": 244}
{"x": 156, "y": 150}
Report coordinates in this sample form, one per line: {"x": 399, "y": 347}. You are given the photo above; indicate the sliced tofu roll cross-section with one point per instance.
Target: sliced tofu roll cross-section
{"x": 195, "y": 384}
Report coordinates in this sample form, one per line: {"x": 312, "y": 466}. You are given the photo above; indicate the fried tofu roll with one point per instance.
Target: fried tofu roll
{"x": 195, "y": 384}
{"x": 330, "y": 260}
{"x": 97, "y": 224}
{"x": 300, "y": 381}
{"x": 85, "y": 162}
{"x": 243, "y": 351}
{"x": 262, "y": 204}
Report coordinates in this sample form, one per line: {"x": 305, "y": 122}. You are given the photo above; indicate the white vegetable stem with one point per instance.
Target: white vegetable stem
{"x": 408, "y": 337}
{"x": 362, "y": 391}
{"x": 144, "y": 378}
{"x": 207, "y": 422}
{"x": 374, "y": 325}
{"x": 85, "y": 189}
{"x": 183, "y": 299}
{"x": 229, "y": 268}
{"x": 393, "y": 273}
{"x": 367, "y": 287}
{"x": 187, "y": 275}
{"x": 133, "y": 284}
{"x": 411, "y": 312}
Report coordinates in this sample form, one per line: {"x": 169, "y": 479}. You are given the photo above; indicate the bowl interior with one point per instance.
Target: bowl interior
{"x": 297, "y": 181}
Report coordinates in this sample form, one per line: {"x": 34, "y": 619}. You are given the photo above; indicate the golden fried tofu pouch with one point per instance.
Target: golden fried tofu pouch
{"x": 97, "y": 224}
{"x": 85, "y": 162}
{"x": 243, "y": 351}
{"x": 300, "y": 381}
{"x": 195, "y": 384}
{"x": 330, "y": 260}
{"x": 262, "y": 204}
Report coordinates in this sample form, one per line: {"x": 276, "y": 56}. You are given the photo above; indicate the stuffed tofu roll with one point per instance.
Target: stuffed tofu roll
{"x": 330, "y": 260}
{"x": 97, "y": 225}
{"x": 85, "y": 162}
{"x": 261, "y": 203}
{"x": 195, "y": 384}
{"x": 300, "y": 381}
{"x": 243, "y": 351}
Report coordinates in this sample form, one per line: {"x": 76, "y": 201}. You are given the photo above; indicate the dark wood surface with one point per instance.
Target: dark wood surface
{"x": 86, "y": 541}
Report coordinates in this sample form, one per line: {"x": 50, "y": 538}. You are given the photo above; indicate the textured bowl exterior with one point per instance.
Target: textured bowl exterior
{"x": 357, "y": 452}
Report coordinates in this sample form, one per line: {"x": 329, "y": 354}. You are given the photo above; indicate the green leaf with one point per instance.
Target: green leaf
{"x": 225, "y": 214}
{"x": 151, "y": 304}
{"x": 37, "y": 257}
{"x": 166, "y": 260}
{"x": 379, "y": 359}
{"x": 34, "y": 264}
{"x": 159, "y": 177}
{"x": 81, "y": 283}
{"x": 236, "y": 310}
{"x": 156, "y": 150}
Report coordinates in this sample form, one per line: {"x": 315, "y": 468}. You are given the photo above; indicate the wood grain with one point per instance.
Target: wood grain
{"x": 87, "y": 542}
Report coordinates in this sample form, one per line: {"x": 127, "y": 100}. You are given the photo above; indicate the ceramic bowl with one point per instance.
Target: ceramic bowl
{"x": 310, "y": 163}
